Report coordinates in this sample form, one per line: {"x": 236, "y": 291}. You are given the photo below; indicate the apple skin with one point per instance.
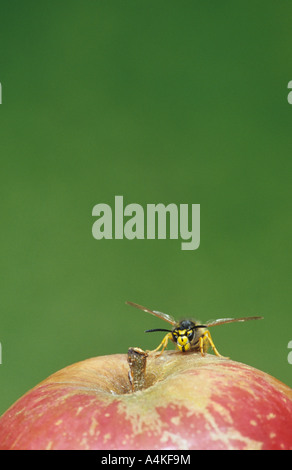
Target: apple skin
{"x": 189, "y": 402}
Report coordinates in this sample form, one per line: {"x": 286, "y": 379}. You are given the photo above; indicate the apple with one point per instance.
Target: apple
{"x": 185, "y": 401}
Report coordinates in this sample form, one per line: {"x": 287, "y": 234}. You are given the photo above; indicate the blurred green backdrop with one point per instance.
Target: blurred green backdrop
{"x": 182, "y": 102}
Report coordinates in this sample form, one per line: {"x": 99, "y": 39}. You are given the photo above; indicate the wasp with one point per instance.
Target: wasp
{"x": 188, "y": 335}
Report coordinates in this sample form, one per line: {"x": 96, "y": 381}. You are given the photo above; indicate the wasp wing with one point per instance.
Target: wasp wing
{"x": 163, "y": 316}
{"x": 221, "y": 321}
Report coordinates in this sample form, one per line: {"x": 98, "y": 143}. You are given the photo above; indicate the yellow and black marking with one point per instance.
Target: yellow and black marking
{"x": 189, "y": 335}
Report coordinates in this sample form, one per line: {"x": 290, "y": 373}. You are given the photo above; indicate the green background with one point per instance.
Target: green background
{"x": 161, "y": 102}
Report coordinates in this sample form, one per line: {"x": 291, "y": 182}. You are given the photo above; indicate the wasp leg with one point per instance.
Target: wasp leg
{"x": 163, "y": 344}
{"x": 203, "y": 342}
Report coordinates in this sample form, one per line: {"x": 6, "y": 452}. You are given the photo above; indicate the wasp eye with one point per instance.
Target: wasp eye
{"x": 190, "y": 334}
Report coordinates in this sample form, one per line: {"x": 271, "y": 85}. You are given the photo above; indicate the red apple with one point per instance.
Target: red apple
{"x": 188, "y": 402}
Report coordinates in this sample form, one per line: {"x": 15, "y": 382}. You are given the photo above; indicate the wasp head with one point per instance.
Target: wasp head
{"x": 183, "y": 335}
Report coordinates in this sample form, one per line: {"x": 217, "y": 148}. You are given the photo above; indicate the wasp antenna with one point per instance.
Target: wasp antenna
{"x": 199, "y": 326}
{"x": 157, "y": 329}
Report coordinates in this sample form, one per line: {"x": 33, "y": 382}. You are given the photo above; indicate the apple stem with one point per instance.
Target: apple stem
{"x": 137, "y": 359}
